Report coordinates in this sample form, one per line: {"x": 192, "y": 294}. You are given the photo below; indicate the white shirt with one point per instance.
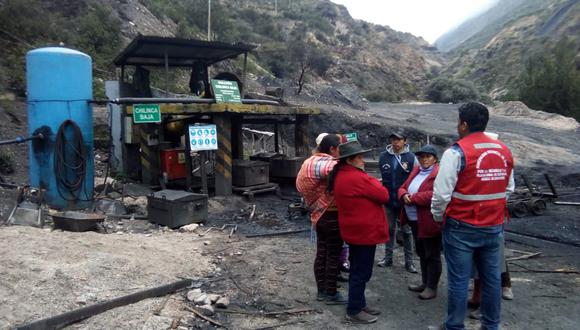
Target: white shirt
{"x": 414, "y": 186}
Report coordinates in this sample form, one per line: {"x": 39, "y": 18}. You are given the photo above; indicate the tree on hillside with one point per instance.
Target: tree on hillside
{"x": 445, "y": 90}
{"x": 551, "y": 80}
{"x": 305, "y": 59}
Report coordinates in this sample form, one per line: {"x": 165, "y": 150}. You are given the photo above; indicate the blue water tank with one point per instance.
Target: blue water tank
{"x": 59, "y": 87}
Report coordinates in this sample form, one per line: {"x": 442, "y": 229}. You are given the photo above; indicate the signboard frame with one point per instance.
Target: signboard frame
{"x": 202, "y": 137}
{"x": 146, "y": 109}
{"x": 351, "y": 136}
{"x": 226, "y": 91}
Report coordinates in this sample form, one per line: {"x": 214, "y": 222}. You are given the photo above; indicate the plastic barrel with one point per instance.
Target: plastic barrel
{"x": 59, "y": 86}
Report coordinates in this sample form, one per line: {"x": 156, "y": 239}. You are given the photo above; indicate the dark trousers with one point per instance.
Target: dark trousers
{"x": 361, "y": 258}
{"x": 328, "y": 249}
{"x": 429, "y": 251}
{"x": 393, "y": 219}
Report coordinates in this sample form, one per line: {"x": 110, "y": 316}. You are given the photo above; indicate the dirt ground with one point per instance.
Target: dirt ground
{"x": 44, "y": 273}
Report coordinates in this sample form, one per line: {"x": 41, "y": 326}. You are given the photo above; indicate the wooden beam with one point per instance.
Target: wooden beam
{"x": 62, "y": 320}
{"x": 256, "y": 109}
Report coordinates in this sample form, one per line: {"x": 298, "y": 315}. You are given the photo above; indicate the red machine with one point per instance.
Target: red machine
{"x": 173, "y": 164}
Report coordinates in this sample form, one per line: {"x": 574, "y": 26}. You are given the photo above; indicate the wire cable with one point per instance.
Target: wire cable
{"x": 70, "y": 162}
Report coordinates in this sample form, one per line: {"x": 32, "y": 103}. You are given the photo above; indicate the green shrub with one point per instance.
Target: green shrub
{"x": 446, "y": 90}
{"x": 382, "y": 96}
{"x": 6, "y": 163}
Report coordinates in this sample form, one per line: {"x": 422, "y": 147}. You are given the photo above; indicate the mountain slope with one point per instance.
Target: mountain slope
{"x": 494, "y": 47}
{"x": 371, "y": 58}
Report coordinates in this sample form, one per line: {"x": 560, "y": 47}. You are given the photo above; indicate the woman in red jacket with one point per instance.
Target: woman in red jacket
{"x": 362, "y": 222}
{"x": 416, "y": 195}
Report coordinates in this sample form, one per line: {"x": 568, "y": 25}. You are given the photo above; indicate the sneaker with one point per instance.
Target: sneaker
{"x": 410, "y": 267}
{"x": 475, "y": 314}
{"x": 507, "y": 293}
{"x": 428, "y": 294}
{"x": 337, "y": 299}
{"x": 371, "y": 311}
{"x": 417, "y": 288}
{"x": 362, "y": 318}
{"x": 385, "y": 262}
{"x": 321, "y": 295}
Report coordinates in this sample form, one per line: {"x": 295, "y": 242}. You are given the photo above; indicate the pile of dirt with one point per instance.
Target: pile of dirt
{"x": 541, "y": 118}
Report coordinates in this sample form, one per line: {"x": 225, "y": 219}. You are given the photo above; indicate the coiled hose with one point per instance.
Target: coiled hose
{"x": 70, "y": 162}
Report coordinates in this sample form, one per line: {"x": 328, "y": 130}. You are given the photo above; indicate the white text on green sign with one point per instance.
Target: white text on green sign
{"x": 226, "y": 91}
{"x": 146, "y": 113}
{"x": 351, "y": 137}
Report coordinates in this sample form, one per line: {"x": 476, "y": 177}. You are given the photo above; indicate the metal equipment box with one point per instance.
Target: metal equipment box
{"x": 173, "y": 164}
{"x": 250, "y": 173}
{"x": 287, "y": 167}
{"x": 265, "y": 156}
{"x": 175, "y": 208}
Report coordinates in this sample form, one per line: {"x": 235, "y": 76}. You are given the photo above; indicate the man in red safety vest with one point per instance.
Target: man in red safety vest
{"x": 470, "y": 196}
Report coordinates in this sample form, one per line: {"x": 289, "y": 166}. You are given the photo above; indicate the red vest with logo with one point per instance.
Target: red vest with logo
{"x": 479, "y": 197}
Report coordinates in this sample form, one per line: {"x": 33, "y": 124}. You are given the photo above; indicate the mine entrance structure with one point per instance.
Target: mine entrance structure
{"x": 149, "y": 150}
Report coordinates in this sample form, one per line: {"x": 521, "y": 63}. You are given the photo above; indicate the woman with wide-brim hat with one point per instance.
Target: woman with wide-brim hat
{"x": 362, "y": 221}
{"x": 415, "y": 194}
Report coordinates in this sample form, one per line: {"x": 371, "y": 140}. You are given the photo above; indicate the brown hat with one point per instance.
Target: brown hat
{"x": 350, "y": 148}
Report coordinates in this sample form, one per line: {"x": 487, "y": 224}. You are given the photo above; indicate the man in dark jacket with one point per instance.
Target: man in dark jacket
{"x": 396, "y": 163}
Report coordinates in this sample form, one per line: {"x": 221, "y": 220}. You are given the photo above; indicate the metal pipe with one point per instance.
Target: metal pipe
{"x": 163, "y": 100}
{"x": 20, "y": 139}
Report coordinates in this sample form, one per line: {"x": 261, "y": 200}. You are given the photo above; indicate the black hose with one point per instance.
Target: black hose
{"x": 20, "y": 139}
{"x": 70, "y": 162}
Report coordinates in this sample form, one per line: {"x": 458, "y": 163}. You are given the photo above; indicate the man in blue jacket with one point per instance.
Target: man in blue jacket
{"x": 396, "y": 163}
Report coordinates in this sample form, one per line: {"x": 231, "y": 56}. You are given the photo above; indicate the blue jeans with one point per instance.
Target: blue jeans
{"x": 362, "y": 258}
{"x": 464, "y": 244}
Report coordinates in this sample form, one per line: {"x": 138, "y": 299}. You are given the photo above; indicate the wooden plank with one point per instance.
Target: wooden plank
{"x": 232, "y": 108}
{"x": 254, "y": 188}
{"x": 62, "y": 320}
{"x": 278, "y": 233}
{"x": 568, "y": 203}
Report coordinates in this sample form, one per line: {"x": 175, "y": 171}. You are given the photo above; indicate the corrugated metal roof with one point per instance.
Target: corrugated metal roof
{"x": 151, "y": 51}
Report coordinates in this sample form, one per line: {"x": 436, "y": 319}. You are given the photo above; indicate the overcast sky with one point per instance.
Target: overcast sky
{"x": 424, "y": 18}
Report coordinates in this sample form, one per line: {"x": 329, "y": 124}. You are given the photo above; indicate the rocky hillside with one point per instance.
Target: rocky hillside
{"x": 382, "y": 63}
{"x": 492, "y": 48}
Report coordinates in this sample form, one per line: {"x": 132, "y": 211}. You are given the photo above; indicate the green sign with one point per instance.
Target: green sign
{"x": 226, "y": 91}
{"x": 350, "y": 137}
{"x": 146, "y": 113}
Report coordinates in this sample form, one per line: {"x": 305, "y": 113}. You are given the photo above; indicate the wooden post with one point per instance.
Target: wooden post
{"x": 203, "y": 172}
{"x": 244, "y": 75}
{"x": 237, "y": 138}
{"x": 276, "y": 137}
{"x": 189, "y": 165}
{"x": 223, "y": 166}
{"x": 301, "y": 140}
{"x": 149, "y": 155}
